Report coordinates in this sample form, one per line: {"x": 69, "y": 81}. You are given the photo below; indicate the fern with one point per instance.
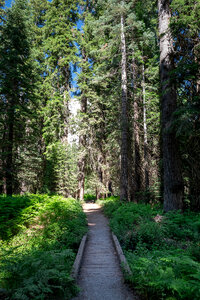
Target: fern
{"x": 37, "y": 261}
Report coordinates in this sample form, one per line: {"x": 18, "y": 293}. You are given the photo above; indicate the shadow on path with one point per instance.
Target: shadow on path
{"x": 100, "y": 274}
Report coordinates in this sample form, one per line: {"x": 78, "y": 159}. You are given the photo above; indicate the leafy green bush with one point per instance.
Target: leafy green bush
{"x": 126, "y": 219}
{"x": 39, "y": 275}
{"x": 150, "y": 234}
{"x": 89, "y": 197}
{"x": 37, "y": 260}
{"x": 17, "y": 210}
{"x": 182, "y": 226}
{"x": 110, "y": 205}
{"x": 163, "y": 250}
{"x": 164, "y": 274}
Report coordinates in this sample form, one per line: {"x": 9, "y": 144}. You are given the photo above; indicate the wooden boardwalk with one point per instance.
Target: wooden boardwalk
{"x": 100, "y": 275}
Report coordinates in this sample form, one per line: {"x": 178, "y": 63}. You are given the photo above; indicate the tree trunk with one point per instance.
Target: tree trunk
{"x": 146, "y": 169}
{"x": 82, "y": 159}
{"x": 138, "y": 160}
{"x": 198, "y": 75}
{"x": 173, "y": 183}
{"x": 99, "y": 193}
{"x": 110, "y": 193}
{"x": 136, "y": 133}
{"x": 124, "y": 120}
{"x": 2, "y": 161}
{"x": 82, "y": 138}
{"x": 131, "y": 182}
{"x": 81, "y": 178}
{"x": 9, "y": 148}
{"x": 65, "y": 115}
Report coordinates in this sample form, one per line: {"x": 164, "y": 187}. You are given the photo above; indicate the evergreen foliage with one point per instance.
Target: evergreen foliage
{"x": 17, "y": 86}
{"x": 185, "y": 27}
{"x": 36, "y": 155}
{"x": 51, "y": 46}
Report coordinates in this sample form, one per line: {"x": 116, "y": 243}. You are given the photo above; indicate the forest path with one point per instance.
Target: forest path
{"x": 100, "y": 275}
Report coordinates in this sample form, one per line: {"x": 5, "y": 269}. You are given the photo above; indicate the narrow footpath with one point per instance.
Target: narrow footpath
{"x": 100, "y": 275}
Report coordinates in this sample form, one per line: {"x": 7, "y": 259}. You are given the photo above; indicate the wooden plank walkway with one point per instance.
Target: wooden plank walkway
{"x": 100, "y": 274}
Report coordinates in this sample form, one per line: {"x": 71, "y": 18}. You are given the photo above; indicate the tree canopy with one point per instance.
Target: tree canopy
{"x": 136, "y": 126}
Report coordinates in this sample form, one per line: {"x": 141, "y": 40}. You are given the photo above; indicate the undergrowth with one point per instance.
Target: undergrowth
{"x": 89, "y": 197}
{"x": 40, "y": 236}
{"x": 163, "y": 250}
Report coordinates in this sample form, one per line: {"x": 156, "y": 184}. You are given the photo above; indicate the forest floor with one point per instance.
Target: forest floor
{"x": 100, "y": 274}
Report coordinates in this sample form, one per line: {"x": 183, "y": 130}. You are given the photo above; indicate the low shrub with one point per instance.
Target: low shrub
{"x": 37, "y": 261}
{"x": 39, "y": 275}
{"x": 163, "y": 250}
{"x": 17, "y": 210}
{"x": 125, "y": 222}
{"x": 89, "y": 197}
{"x": 182, "y": 226}
{"x": 165, "y": 274}
{"x": 110, "y": 205}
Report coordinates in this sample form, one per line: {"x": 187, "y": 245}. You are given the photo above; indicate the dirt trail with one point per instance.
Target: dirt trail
{"x": 100, "y": 274}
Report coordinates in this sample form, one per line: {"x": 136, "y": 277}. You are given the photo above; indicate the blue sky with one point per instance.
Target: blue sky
{"x": 79, "y": 26}
{"x": 8, "y": 3}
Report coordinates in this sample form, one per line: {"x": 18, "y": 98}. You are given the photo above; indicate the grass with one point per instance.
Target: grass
{"x": 39, "y": 238}
{"x": 163, "y": 250}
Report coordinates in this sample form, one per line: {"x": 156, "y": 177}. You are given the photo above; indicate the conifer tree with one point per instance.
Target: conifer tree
{"x": 185, "y": 30}
{"x": 98, "y": 106}
{"x": 173, "y": 184}
{"x": 105, "y": 53}
{"x": 17, "y": 82}
{"x": 145, "y": 103}
{"x": 83, "y": 82}
{"x": 2, "y": 11}
{"x": 124, "y": 116}
{"x": 118, "y": 89}
{"x": 60, "y": 50}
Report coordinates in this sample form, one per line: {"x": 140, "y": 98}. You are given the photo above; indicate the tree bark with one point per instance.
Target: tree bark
{"x": 82, "y": 159}
{"x": 198, "y": 74}
{"x": 99, "y": 192}
{"x": 138, "y": 159}
{"x": 131, "y": 179}
{"x": 65, "y": 116}
{"x": 9, "y": 149}
{"x": 173, "y": 183}
{"x": 2, "y": 161}
{"x": 124, "y": 120}
{"x": 82, "y": 138}
{"x": 138, "y": 174}
{"x": 146, "y": 169}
